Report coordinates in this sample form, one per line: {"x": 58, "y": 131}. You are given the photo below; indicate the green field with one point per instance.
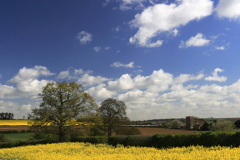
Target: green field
{"x": 18, "y": 136}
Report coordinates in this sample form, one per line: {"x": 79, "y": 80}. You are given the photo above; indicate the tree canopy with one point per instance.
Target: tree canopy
{"x": 113, "y": 113}
{"x": 62, "y": 104}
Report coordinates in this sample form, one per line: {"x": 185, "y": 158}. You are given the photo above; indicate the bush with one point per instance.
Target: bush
{"x": 173, "y": 124}
{"x": 237, "y": 123}
{"x": 22, "y": 131}
{"x": 177, "y": 124}
{"x": 205, "y": 126}
{"x": 221, "y": 125}
{"x": 10, "y": 131}
{"x": 19, "y": 143}
{"x": 50, "y": 138}
{"x": 73, "y": 137}
{"x": 97, "y": 131}
{"x": 3, "y": 138}
{"x": 30, "y": 131}
{"x": 91, "y": 139}
{"x": 46, "y": 137}
{"x": 144, "y": 141}
{"x": 167, "y": 124}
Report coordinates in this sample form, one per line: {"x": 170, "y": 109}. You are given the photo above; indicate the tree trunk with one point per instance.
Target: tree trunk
{"x": 60, "y": 133}
{"x": 109, "y": 131}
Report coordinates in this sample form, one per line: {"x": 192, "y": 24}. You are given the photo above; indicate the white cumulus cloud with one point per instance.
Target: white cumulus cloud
{"x": 165, "y": 18}
{"x": 97, "y": 49}
{"x": 27, "y": 82}
{"x": 89, "y": 80}
{"x": 72, "y": 73}
{"x": 100, "y": 92}
{"x": 118, "y": 64}
{"x": 228, "y": 9}
{"x": 215, "y": 76}
{"x": 127, "y": 4}
{"x": 84, "y": 37}
{"x": 197, "y": 41}
{"x": 220, "y": 48}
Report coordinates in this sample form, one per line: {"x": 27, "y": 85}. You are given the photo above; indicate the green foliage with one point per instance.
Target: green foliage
{"x": 73, "y": 137}
{"x": 97, "y": 131}
{"x": 237, "y": 123}
{"x": 206, "y": 139}
{"x": 3, "y": 138}
{"x": 205, "y": 126}
{"x": 167, "y": 124}
{"x": 113, "y": 113}
{"x": 62, "y": 103}
{"x": 177, "y": 124}
{"x": 144, "y": 141}
{"x": 91, "y": 139}
{"x": 10, "y": 131}
{"x": 20, "y": 143}
{"x": 22, "y": 131}
{"x": 173, "y": 124}
{"x": 46, "y": 137}
{"x": 221, "y": 125}
{"x": 18, "y": 136}
{"x": 94, "y": 124}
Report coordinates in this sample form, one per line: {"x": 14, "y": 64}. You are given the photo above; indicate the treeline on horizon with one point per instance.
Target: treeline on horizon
{"x": 6, "y": 115}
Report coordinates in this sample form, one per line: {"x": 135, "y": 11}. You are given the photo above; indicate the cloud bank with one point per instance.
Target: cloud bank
{"x": 160, "y": 18}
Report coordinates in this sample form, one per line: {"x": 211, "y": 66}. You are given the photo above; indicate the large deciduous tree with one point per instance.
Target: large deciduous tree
{"x": 62, "y": 104}
{"x": 113, "y": 113}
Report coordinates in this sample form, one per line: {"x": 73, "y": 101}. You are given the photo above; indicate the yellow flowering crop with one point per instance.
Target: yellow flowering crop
{"x": 22, "y": 122}
{"x": 18, "y": 122}
{"x": 72, "y": 151}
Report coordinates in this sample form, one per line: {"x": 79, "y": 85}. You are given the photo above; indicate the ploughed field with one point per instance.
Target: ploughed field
{"x": 144, "y": 131}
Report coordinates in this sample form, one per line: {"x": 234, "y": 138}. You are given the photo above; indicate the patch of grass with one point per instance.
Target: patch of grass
{"x": 18, "y": 136}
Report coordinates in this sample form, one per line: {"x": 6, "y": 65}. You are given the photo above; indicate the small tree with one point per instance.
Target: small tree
{"x": 113, "y": 113}
{"x": 237, "y": 123}
{"x": 221, "y": 125}
{"x": 93, "y": 125}
{"x": 62, "y": 103}
{"x": 177, "y": 124}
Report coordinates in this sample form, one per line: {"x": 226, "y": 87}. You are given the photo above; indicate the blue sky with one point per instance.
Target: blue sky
{"x": 163, "y": 58}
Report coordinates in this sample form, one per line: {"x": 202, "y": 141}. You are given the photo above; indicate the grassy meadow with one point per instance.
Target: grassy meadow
{"x": 18, "y": 136}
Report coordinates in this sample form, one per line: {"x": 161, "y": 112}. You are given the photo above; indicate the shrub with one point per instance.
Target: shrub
{"x": 237, "y": 123}
{"x": 46, "y": 137}
{"x": 167, "y": 124}
{"x": 97, "y": 131}
{"x": 10, "y": 131}
{"x": 22, "y": 131}
{"x": 3, "y": 138}
{"x": 205, "y": 126}
{"x": 73, "y": 137}
{"x": 173, "y": 124}
{"x": 221, "y": 125}
{"x": 177, "y": 124}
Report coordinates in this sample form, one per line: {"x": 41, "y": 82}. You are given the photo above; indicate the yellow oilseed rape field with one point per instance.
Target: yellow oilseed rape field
{"x": 72, "y": 151}
{"x": 18, "y": 122}
{"x": 22, "y": 122}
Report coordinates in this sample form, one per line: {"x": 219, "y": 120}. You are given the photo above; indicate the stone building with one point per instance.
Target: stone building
{"x": 194, "y": 123}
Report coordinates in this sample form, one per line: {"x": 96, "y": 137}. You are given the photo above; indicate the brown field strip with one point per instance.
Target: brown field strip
{"x": 152, "y": 131}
